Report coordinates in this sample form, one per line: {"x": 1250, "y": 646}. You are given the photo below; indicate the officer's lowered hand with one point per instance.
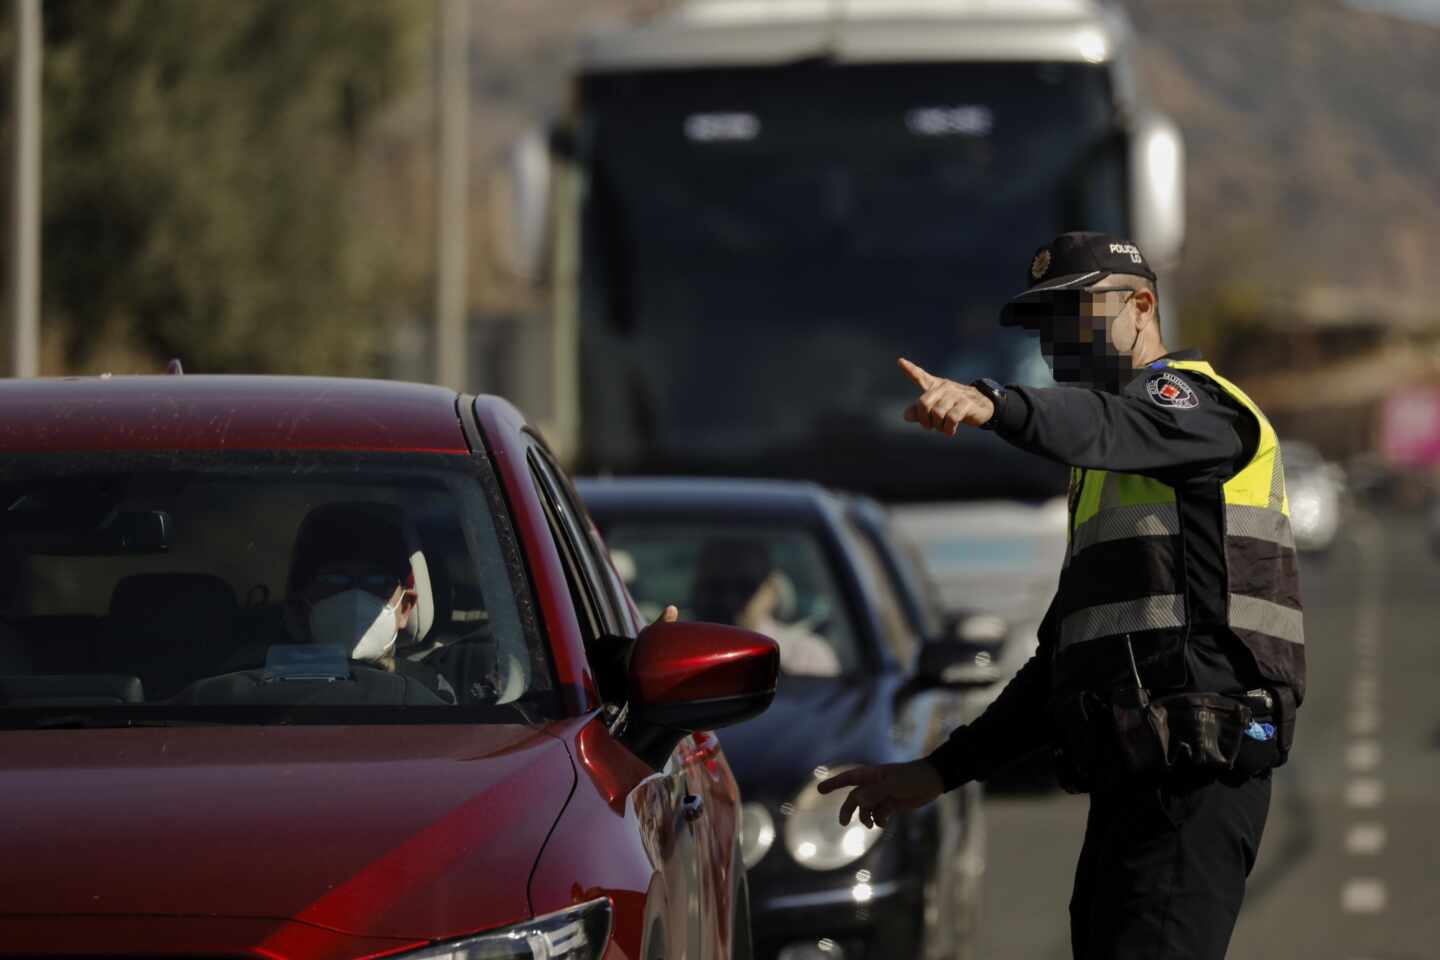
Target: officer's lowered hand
{"x": 944, "y": 404}
{"x": 881, "y": 790}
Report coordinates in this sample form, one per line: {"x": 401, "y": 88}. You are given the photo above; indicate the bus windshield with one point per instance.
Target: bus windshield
{"x": 759, "y": 244}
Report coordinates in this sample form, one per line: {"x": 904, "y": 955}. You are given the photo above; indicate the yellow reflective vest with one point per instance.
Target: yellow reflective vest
{"x": 1138, "y": 583}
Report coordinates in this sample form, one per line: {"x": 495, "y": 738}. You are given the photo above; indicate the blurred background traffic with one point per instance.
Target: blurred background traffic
{"x": 690, "y": 239}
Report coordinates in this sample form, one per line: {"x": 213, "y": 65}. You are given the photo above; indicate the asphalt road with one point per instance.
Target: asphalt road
{"x": 1348, "y": 865}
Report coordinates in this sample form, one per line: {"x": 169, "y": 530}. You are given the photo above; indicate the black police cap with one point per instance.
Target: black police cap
{"x": 1073, "y": 261}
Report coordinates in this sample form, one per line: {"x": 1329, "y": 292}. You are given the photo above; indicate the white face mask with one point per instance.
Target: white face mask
{"x": 360, "y": 623}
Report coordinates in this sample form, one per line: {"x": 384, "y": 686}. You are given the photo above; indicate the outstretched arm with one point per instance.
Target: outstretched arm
{"x": 1164, "y": 424}
{"x": 1015, "y": 724}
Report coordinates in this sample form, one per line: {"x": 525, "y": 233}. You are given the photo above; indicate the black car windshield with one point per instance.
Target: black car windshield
{"x": 771, "y": 579}
{"x": 227, "y": 587}
{"x": 760, "y": 244}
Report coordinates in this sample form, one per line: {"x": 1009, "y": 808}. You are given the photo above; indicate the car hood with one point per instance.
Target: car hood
{"x": 407, "y": 831}
{"x": 812, "y": 721}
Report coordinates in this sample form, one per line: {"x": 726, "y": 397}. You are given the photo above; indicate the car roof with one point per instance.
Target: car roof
{"x": 865, "y": 509}
{"x": 699, "y": 496}
{"x": 226, "y": 413}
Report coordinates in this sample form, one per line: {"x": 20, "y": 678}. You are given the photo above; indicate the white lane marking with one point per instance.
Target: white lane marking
{"x": 1365, "y": 790}
{"x": 1365, "y": 793}
{"x": 1365, "y": 721}
{"x": 1365, "y": 839}
{"x": 1363, "y": 756}
{"x": 1363, "y": 895}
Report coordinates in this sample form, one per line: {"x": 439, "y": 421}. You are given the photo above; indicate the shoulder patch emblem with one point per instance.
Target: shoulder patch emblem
{"x": 1169, "y": 390}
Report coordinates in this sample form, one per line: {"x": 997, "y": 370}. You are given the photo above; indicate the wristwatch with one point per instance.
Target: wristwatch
{"x": 994, "y": 392}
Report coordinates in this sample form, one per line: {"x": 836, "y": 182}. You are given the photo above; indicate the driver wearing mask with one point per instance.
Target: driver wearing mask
{"x": 358, "y": 581}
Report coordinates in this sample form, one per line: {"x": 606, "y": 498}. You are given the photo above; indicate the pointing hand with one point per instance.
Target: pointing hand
{"x": 943, "y": 404}
{"x": 882, "y": 790}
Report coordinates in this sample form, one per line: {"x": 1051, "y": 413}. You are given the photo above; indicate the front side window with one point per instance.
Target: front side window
{"x": 896, "y": 631}
{"x": 572, "y": 525}
{"x": 772, "y": 580}
{"x": 297, "y": 587}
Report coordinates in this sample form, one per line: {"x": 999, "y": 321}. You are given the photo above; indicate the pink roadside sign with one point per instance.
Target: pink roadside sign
{"x": 1410, "y": 428}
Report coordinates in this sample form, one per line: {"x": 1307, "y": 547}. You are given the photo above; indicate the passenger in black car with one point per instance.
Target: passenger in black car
{"x": 736, "y": 582}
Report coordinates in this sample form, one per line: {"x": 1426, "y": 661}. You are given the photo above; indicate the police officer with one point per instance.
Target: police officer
{"x": 1171, "y": 659}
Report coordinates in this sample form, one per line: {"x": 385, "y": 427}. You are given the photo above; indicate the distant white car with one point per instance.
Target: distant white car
{"x": 1316, "y": 489}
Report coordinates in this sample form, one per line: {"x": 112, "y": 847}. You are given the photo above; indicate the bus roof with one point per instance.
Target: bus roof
{"x": 713, "y": 33}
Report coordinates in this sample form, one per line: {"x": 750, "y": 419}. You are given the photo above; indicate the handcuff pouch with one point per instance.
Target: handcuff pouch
{"x": 1207, "y": 730}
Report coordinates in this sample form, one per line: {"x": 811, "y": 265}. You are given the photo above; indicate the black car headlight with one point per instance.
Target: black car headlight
{"x": 813, "y": 833}
{"x": 757, "y": 832}
{"x": 575, "y": 933}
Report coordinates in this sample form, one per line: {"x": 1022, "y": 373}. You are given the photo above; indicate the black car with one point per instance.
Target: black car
{"x": 864, "y": 680}
{"x": 985, "y": 633}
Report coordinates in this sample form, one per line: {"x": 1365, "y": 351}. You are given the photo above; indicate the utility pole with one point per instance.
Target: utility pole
{"x": 452, "y": 43}
{"x": 25, "y": 193}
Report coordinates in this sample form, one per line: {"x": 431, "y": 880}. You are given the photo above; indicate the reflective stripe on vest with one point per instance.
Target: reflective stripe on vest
{"x": 1162, "y": 520}
{"x": 1108, "y": 507}
{"x": 1168, "y": 610}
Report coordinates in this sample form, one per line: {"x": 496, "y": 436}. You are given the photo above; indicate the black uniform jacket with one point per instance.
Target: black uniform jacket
{"x": 1195, "y": 450}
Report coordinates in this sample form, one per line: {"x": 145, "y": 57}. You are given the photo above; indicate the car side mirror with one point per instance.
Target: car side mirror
{"x": 983, "y": 629}
{"x": 685, "y": 677}
{"x": 966, "y": 653}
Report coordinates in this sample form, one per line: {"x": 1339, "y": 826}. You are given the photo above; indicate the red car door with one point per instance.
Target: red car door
{"x": 694, "y": 866}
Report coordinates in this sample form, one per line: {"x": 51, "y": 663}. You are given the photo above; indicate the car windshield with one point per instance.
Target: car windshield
{"x": 760, "y": 244}
{"x": 220, "y": 587}
{"x": 773, "y": 580}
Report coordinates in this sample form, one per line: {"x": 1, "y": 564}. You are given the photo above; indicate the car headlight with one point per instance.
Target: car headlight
{"x": 576, "y": 933}
{"x": 813, "y": 833}
{"x": 757, "y": 833}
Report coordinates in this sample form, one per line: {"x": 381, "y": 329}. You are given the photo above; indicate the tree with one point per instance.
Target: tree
{"x": 201, "y": 178}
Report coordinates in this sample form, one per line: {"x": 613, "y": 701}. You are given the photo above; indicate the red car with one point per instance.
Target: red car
{"x": 321, "y": 668}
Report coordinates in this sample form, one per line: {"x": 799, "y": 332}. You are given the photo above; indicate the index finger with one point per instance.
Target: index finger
{"x": 850, "y": 778}
{"x": 917, "y": 373}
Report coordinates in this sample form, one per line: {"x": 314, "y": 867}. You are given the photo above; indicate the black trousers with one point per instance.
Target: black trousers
{"x": 1162, "y": 870}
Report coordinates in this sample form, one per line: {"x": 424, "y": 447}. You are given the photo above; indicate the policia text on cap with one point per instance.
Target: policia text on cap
{"x": 1172, "y": 658}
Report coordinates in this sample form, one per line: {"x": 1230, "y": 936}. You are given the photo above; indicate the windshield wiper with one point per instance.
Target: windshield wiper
{"x": 88, "y": 721}
{"x": 524, "y": 714}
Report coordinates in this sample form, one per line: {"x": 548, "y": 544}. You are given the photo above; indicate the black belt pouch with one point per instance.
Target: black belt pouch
{"x": 1207, "y": 730}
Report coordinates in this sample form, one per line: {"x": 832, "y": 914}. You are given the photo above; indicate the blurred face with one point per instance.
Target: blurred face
{"x": 332, "y": 580}
{"x": 1090, "y": 336}
{"x": 383, "y": 585}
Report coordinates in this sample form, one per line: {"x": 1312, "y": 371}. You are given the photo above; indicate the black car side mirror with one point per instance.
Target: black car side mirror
{"x": 966, "y": 654}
